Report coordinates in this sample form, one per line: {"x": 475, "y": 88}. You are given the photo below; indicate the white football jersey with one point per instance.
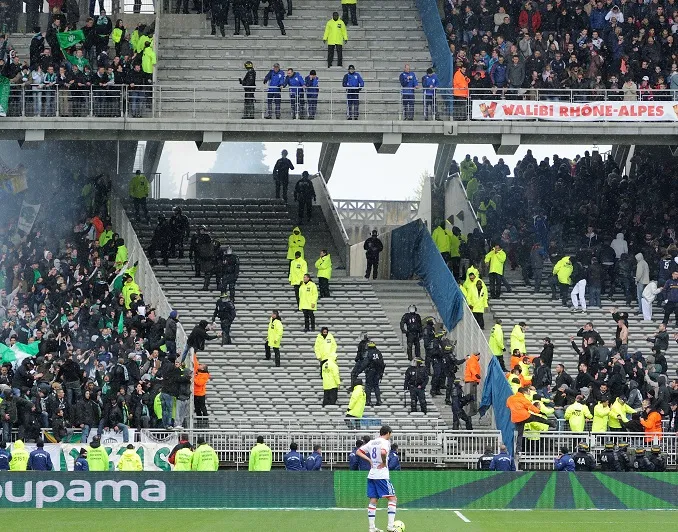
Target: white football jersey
{"x": 373, "y": 450}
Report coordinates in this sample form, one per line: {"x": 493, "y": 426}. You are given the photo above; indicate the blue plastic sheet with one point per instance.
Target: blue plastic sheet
{"x": 496, "y": 390}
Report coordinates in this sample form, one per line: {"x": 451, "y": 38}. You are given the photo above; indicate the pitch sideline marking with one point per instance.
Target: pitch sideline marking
{"x": 462, "y": 516}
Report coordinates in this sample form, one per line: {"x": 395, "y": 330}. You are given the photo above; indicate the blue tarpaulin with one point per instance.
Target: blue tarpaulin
{"x": 414, "y": 252}
{"x": 496, "y": 390}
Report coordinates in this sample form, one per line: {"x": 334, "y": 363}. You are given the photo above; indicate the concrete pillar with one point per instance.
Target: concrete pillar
{"x": 328, "y": 156}
{"x": 389, "y": 144}
{"x": 441, "y": 168}
{"x": 211, "y": 140}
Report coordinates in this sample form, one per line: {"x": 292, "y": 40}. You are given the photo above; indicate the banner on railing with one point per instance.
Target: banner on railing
{"x": 575, "y": 112}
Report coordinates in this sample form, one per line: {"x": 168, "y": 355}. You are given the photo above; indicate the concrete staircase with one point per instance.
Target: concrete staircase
{"x": 389, "y": 34}
{"x": 245, "y": 389}
{"x": 549, "y": 318}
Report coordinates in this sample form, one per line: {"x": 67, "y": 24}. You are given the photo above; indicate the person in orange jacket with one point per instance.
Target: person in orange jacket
{"x": 200, "y": 377}
{"x": 460, "y": 83}
{"x": 472, "y": 369}
{"x": 523, "y": 411}
{"x": 652, "y": 421}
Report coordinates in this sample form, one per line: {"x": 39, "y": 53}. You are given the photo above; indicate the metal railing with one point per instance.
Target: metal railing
{"x": 145, "y": 278}
{"x": 334, "y": 222}
{"x": 228, "y": 103}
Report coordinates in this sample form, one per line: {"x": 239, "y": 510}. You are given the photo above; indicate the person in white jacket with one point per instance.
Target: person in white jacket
{"x": 619, "y": 245}
{"x": 649, "y": 294}
{"x": 642, "y": 278}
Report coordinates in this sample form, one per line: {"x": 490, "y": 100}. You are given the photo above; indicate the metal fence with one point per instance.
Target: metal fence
{"x": 222, "y": 103}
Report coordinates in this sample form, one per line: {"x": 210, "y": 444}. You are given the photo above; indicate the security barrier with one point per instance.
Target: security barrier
{"x": 346, "y": 489}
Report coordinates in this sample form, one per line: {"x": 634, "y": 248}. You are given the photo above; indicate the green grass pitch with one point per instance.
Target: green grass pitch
{"x": 329, "y": 520}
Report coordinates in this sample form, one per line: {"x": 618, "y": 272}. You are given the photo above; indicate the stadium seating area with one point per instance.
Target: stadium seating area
{"x": 625, "y": 48}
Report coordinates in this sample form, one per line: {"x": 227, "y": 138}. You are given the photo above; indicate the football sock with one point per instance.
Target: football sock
{"x": 391, "y": 513}
{"x": 371, "y": 515}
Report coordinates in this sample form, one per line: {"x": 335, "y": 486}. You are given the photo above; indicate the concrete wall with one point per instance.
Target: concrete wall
{"x": 235, "y": 186}
{"x": 458, "y": 206}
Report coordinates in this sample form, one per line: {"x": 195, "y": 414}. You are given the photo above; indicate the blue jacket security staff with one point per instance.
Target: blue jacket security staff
{"x": 293, "y": 460}
{"x": 311, "y": 83}
{"x": 430, "y": 83}
{"x": 275, "y": 79}
{"x": 354, "y": 84}
{"x": 249, "y": 83}
{"x": 295, "y": 82}
{"x": 408, "y": 82}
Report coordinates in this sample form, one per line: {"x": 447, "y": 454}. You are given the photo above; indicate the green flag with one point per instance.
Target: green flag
{"x": 4, "y": 95}
{"x": 68, "y": 39}
{"x": 121, "y": 326}
{"x": 18, "y": 352}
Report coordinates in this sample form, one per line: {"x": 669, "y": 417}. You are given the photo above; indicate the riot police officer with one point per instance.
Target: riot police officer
{"x": 641, "y": 462}
{"x": 249, "y": 83}
{"x": 624, "y": 458}
{"x": 219, "y": 16}
{"x": 436, "y": 353}
{"x": 416, "y": 379}
{"x": 657, "y": 459}
{"x": 374, "y": 371}
{"x": 225, "y": 311}
{"x": 459, "y": 401}
{"x": 211, "y": 265}
{"x": 583, "y": 461}
{"x": 161, "y": 241}
{"x": 278, "y": 10}
{"x": 450, "y": 366}
{"x": 230, "y": 269}
{"x": 609, "y": 458}
{"x": 181, "y": 228}
{"x": 428, "y": 334}
{"x": 410, "y": 326}
{"x": 360, "y": 357}
{"x": 240, "y": 15}
{"x": 201, "y": 246}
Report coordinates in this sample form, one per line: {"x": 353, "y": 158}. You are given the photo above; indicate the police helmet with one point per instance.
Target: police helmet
{"x": 418, "y": 360}
{"x": 177, "y": 209}
{"x": 161, "y": 217}
{"x": 655, "y": 449}
{"x": 429, "y": 319}
{"x": 249, "y": 64}
{"x": 583, "y": 447}
{"x": 439, "y": 334}
{"x": 609, "y": 446}
{"x": 640, "y": 451}
{"x": 224, "y": 295}
{"x": 364, "y": 336}
{"x": 412, "y": 308}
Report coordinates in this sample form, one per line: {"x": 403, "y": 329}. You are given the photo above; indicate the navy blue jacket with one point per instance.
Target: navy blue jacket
{"x": 393, "y": 462}
{"x": 275, "y": 80}
{"x": 5, "y": 459}
{"x": 81, "y": 464}
{"x": 293, "y": 461}
{"x": 408, "y": 81}
{"x": 314, "y": 462}
{"x": 353, "y": 81}
{"x": 354, "y": 460}
{"x": 311, "y": 86}
{"x": 502, "y": 462}
{"x": 564, "y": 463}
{"x": 40, "y": 460}
{"x": 671, "y": 290}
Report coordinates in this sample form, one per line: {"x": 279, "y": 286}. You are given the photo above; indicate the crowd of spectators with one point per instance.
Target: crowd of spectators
{"x": 82, "y": 349}
{"x": 517, "y": 49}
{"x": 87, "y": 79}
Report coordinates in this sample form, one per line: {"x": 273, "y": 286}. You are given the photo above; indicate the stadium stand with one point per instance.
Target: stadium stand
{"x": 263, "y": 395}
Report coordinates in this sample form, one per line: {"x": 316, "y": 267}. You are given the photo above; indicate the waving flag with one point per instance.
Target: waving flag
{"x": 18, "y": 352}
{"x": 496, "y": 390}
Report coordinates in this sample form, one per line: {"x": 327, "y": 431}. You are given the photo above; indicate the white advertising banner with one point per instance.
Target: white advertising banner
{"x": 575, "y": 112}
{"x": 153, "y": 455}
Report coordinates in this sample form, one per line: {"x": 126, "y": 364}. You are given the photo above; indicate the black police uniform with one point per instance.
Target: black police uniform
{"x": 181, "y": 228}
{"x": 374, "y": 371}
{"x": 200, "y": 250}
{"x": 609, "y": 460}
{"x": 436, "y": 352}
{"x": 249, "y": 83}
{"x": 372, "y": 247}
{"x": 230, "y": 269}
{"x": 240, "y": 14}
{"x": 583, "y": 461}
{"x": 162, "y": 236}
{"x": 304, "y": 194}
{"x": 642, "y": 462}
{"x": 219, "y": 16}
{"x": 658, "y": 461}
{"x": 428, "y": 334}
{"x": 416, "y": 379}
{"x": 278, "y": 11}
{"x": 225, "y": 311}
{"x": 359, "y": 365}
{"x": 459, "y": 401}
{"x": 410, "y": 325}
